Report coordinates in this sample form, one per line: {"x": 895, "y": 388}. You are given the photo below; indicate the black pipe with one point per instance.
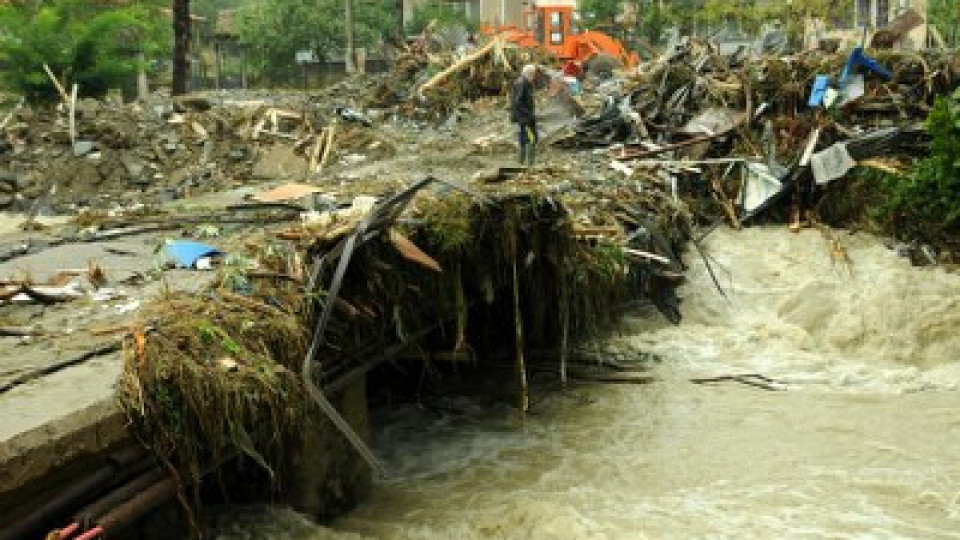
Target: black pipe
{"x": 50, "y": 513}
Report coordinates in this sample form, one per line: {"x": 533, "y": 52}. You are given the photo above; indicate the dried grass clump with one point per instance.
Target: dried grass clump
{"x": 217, "y": 379}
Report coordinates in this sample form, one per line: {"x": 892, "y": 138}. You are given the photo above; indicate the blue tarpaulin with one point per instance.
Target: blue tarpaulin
{"x": 859, "y": 59}
{"x": 186, "y": 254}
{"x": 820, "y": 85}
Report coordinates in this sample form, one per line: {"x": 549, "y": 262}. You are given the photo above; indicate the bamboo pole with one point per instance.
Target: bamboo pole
{"x": 9, "y": 116}
{"x": 350, "y": 65}
{"x": 521, "y": 362}
{"x": 60, "y": 89}
{"x": 317, "y": 147}
{"x": 73, "y": 115}
{"x": 564, "y": 334}
{"x": 329, "y": 146}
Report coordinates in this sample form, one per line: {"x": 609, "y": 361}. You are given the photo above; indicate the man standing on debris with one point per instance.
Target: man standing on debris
{"x": 523, "y": 113}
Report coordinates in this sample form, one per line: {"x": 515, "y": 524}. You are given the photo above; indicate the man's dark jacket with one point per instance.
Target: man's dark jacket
{"x": 522, "y": 106}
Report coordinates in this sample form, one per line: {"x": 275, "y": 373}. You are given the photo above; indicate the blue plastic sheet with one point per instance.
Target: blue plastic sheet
{"x": 858, "y": 58}
{"x": 819, "y": 89}
{"x": 186, "y": 254}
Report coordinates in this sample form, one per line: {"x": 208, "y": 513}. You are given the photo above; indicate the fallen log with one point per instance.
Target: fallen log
{"x": 460, "y": 65}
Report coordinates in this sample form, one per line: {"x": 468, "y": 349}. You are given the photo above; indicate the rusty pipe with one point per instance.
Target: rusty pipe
{"x": 140, "y": 505}
{"x": 134, "y": 508}
{"x": 93, "y": 511}
{"x": 46, "y": 515}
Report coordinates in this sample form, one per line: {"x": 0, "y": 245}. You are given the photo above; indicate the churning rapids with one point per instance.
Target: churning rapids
{"x": 863, "y": 443}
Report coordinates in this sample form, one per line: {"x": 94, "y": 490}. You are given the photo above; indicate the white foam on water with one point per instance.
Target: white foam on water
{"x": 794, "y": 313}
{"x": 863, "y": 444}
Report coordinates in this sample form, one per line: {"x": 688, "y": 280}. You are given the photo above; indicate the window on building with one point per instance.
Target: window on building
{"x": 460, "y": 6}
{"x": 883, "y": 13}
{"x": 556, "y": 28}
{"x": 864, "y": 13}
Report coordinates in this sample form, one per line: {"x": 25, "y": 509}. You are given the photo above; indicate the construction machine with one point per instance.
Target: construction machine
{"x": 552, "y": 25}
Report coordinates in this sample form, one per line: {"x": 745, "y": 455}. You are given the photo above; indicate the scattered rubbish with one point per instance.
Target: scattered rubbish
{"x": 760, "y": 186}
{"x": 831, "y": 163}
{"x": 351, "y": 115}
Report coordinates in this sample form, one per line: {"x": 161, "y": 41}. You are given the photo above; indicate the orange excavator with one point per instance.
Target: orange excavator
{"x": 551, "y": 25}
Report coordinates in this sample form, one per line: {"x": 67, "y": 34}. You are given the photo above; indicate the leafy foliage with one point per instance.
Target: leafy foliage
{"x": 82, "y": 42}
{"x": 945, "y": 15}
{"x": 600, "y": 11}
{"x": 274, "y": 30}
{"x": 210, "y": 8}
{"x": 750, "y": 15}
{"x": 436, "y": 11}
{"x": 925, "y": 204}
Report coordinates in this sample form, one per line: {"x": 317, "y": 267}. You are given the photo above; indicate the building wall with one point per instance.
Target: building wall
{"x": 877, "y": 13}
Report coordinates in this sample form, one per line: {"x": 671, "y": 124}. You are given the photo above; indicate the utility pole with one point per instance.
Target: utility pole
{"x": 348, "y": 21}
{"x": 181, "y": 45}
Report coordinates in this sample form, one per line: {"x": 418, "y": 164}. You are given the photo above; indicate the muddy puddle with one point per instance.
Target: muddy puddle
{"x": 861, "y": 441}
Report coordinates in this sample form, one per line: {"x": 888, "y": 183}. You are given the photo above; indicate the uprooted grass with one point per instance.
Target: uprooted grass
{"x": 216, "y": 378}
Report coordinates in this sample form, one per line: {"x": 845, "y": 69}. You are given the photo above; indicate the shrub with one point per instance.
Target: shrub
{"x": 924, "y": 204}
{"x": 82, "y": 42}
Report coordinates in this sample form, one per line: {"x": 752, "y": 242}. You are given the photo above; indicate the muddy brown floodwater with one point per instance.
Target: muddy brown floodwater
{"x": 864, "y": 441}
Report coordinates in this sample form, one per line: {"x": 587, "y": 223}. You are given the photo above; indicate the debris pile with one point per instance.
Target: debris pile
{"x": 514, "y": 265}
{"x": 431, "y": 85}
{"x": 757, "y": 130}
{"x": 102, "y": 154}
{"x": 480, "y": 273}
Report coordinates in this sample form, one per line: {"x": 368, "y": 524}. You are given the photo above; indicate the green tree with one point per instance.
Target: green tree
{"x": 793, "y": 15}
{"x": 274, "y": 30}
{"x": 924, "y": 204}
{"x": 444, "y": 14}
{"x": 945, "y": 16}
{"x": 82, "y": 42}
{"x": 210, "y": 8}
{"x": 750, "y": 15}
{"x": 602, "y": 12}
